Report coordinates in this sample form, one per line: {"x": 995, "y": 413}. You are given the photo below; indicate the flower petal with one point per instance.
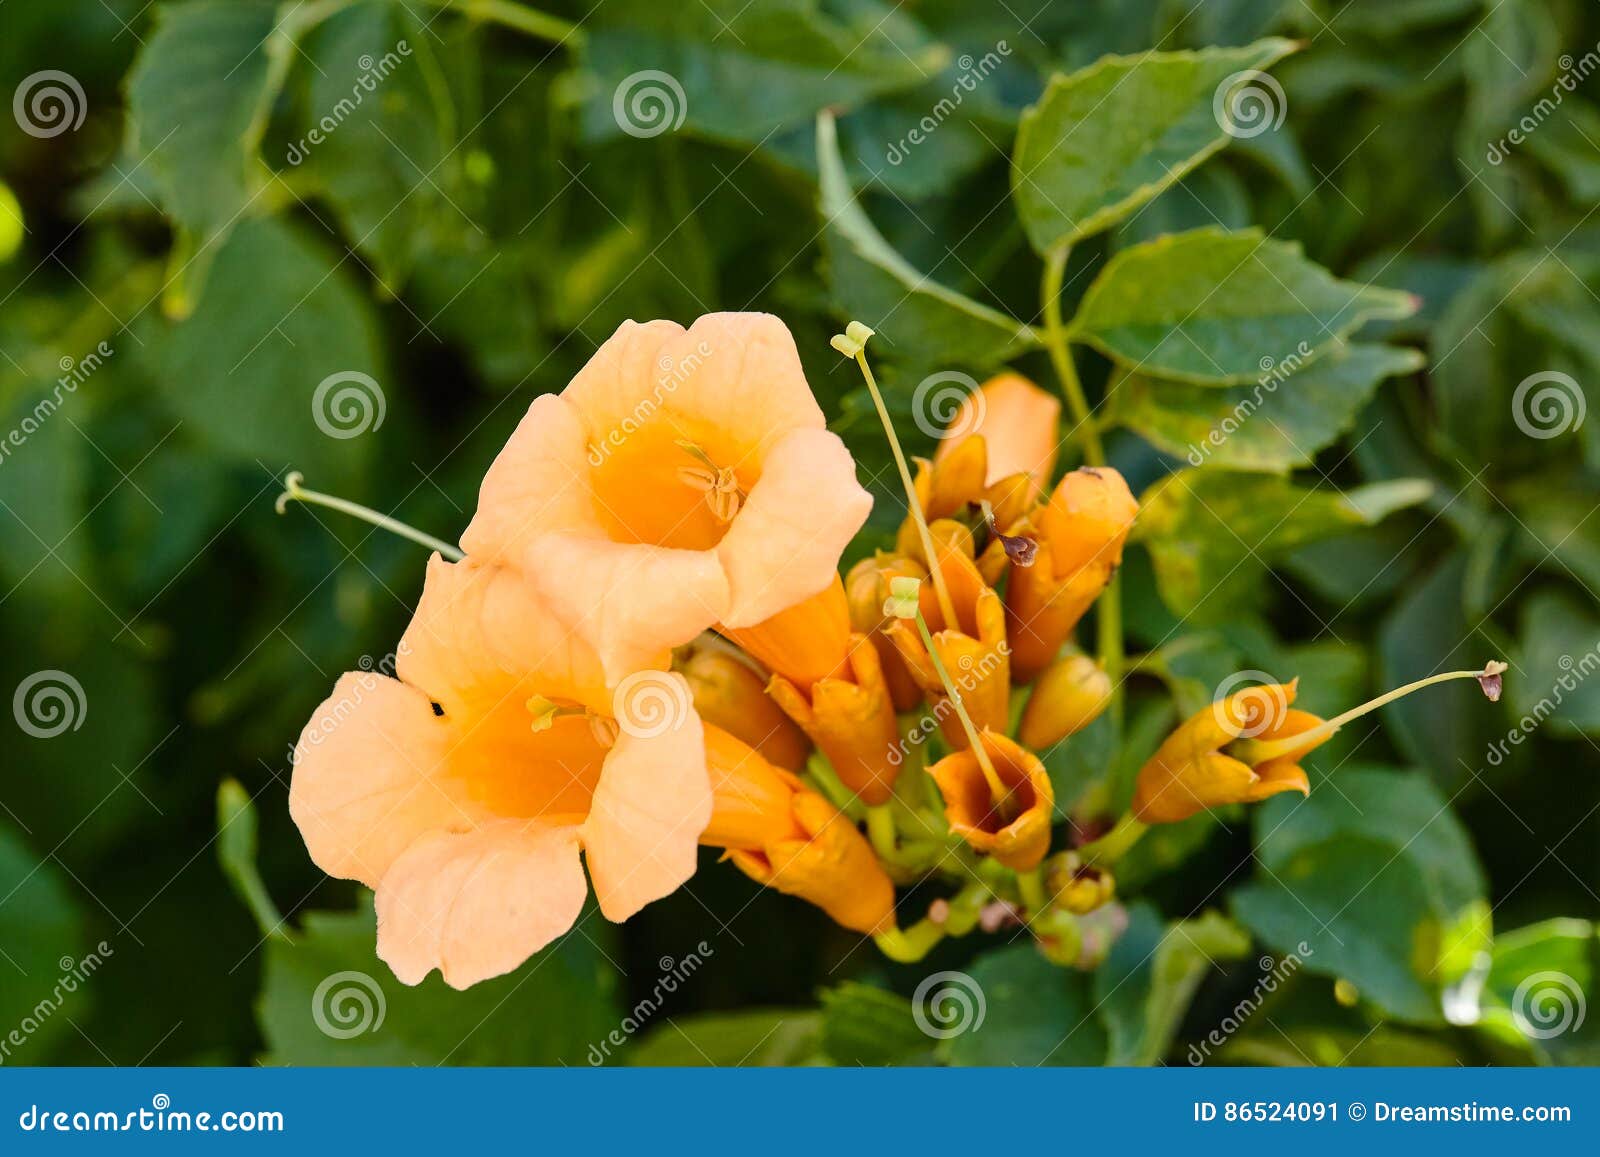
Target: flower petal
{"x": 476, "y": 904}
{"x": 369, "y": 777}
{"x": 784, "y": 546}
{"x": 650, "y": 806}
{"x": 538, "y": 482}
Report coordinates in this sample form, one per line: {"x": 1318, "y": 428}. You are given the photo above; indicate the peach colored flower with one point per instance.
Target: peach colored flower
{"x": 683, "y": 479}
{"x": 1019, "y": 424}
{"x": 464, "y": 790}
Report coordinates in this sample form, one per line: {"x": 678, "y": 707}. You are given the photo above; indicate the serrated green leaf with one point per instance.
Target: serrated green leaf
{"x": 864, "y": 1025}
{"x": 1275, "y": 425}
{"x": 1213, "y": 533}
{"x": 1208, "y": 305}
{"x": 1106, "y": 139}
{"x": 876, "y": 285}
{"x": 198, "y": 100}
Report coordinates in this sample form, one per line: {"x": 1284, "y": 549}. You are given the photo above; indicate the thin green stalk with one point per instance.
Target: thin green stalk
{"x": 1055, "y": 340}
{"x": 294, "y": 492}
{"x": 520, "y": 17}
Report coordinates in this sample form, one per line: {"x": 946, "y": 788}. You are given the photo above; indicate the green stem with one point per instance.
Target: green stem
{"x": 997, "y": 790}
{"x": 1115, "y": 844}
{"x": 294, "y": 492}
{"x": 520, "y": 17}
{"x": 1055, "y": 340}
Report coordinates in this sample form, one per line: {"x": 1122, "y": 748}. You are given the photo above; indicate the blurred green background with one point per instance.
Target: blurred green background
{"x": 183, "y": 263}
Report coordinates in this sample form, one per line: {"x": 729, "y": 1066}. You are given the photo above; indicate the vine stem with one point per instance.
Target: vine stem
{"x": 520, "y": 17}
{"x": 1108, "y": 617}
{"x": 294, "y": 492}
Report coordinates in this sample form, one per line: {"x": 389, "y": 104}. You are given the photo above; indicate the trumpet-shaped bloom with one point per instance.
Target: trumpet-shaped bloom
{"x": 1015, "y": 830}
{"x": 1019, "y": 425}
{"x": 683, "y": 479}
{"x": 851, "y": 718}
{"x": 464, "y": 790}
{"x": 785, "y": 836}
{"x": 1190, "y": 771}
{"x": 731, "y": 694}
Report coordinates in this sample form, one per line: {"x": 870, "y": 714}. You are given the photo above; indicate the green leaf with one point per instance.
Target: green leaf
{"x": 278, "y": 320}
{"x": 1208, "y": 305}
{"x": 742, "y": 70}
{"x": 1145, "y": 986}
{"x": 875, "y": 285}
{"x": 326, "y": 999}
{"x": 379, "y": 132}
{"x": 1275, "y": 425}
{"x": 1212, "y": 534}
{"x": 1540, "y": 982}
{"x": 1361, "y": 880}
{"x": 41, "y": 933}
{"x": 198, "y": 100}
{"x": 751, "y": 1039}
{"x": 1210, "y": 196}
{"x": 864, "y": 1025}
{"x": 1016, "y": 1008}
{"x": 1108, "y": 138}
{"x": 1560, "y": 651}
{"x": 237, "y": 826}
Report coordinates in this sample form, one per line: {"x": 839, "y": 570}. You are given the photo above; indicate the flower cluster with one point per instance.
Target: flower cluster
{"x": 648, "y": 650}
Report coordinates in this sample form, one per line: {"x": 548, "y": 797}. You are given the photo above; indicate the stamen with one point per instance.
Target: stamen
{"x": 294, "y": 492}
{"x": 852, "y": 343}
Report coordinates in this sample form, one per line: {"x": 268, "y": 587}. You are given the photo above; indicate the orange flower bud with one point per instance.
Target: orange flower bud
{"x": 786, "y": 836}
{"x": 1069, "y": 696}
{"x": 1081, "y": 531}
{"x": 805, "y": 643}
{"x": 850, "y": 717}
{"x": 866, "y": 588}
{"x": 1191, "y": 772}
{"x": 1020, "y": 424}
{"x": 729, "y": 693}
{"x": 1015, "y": 831}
